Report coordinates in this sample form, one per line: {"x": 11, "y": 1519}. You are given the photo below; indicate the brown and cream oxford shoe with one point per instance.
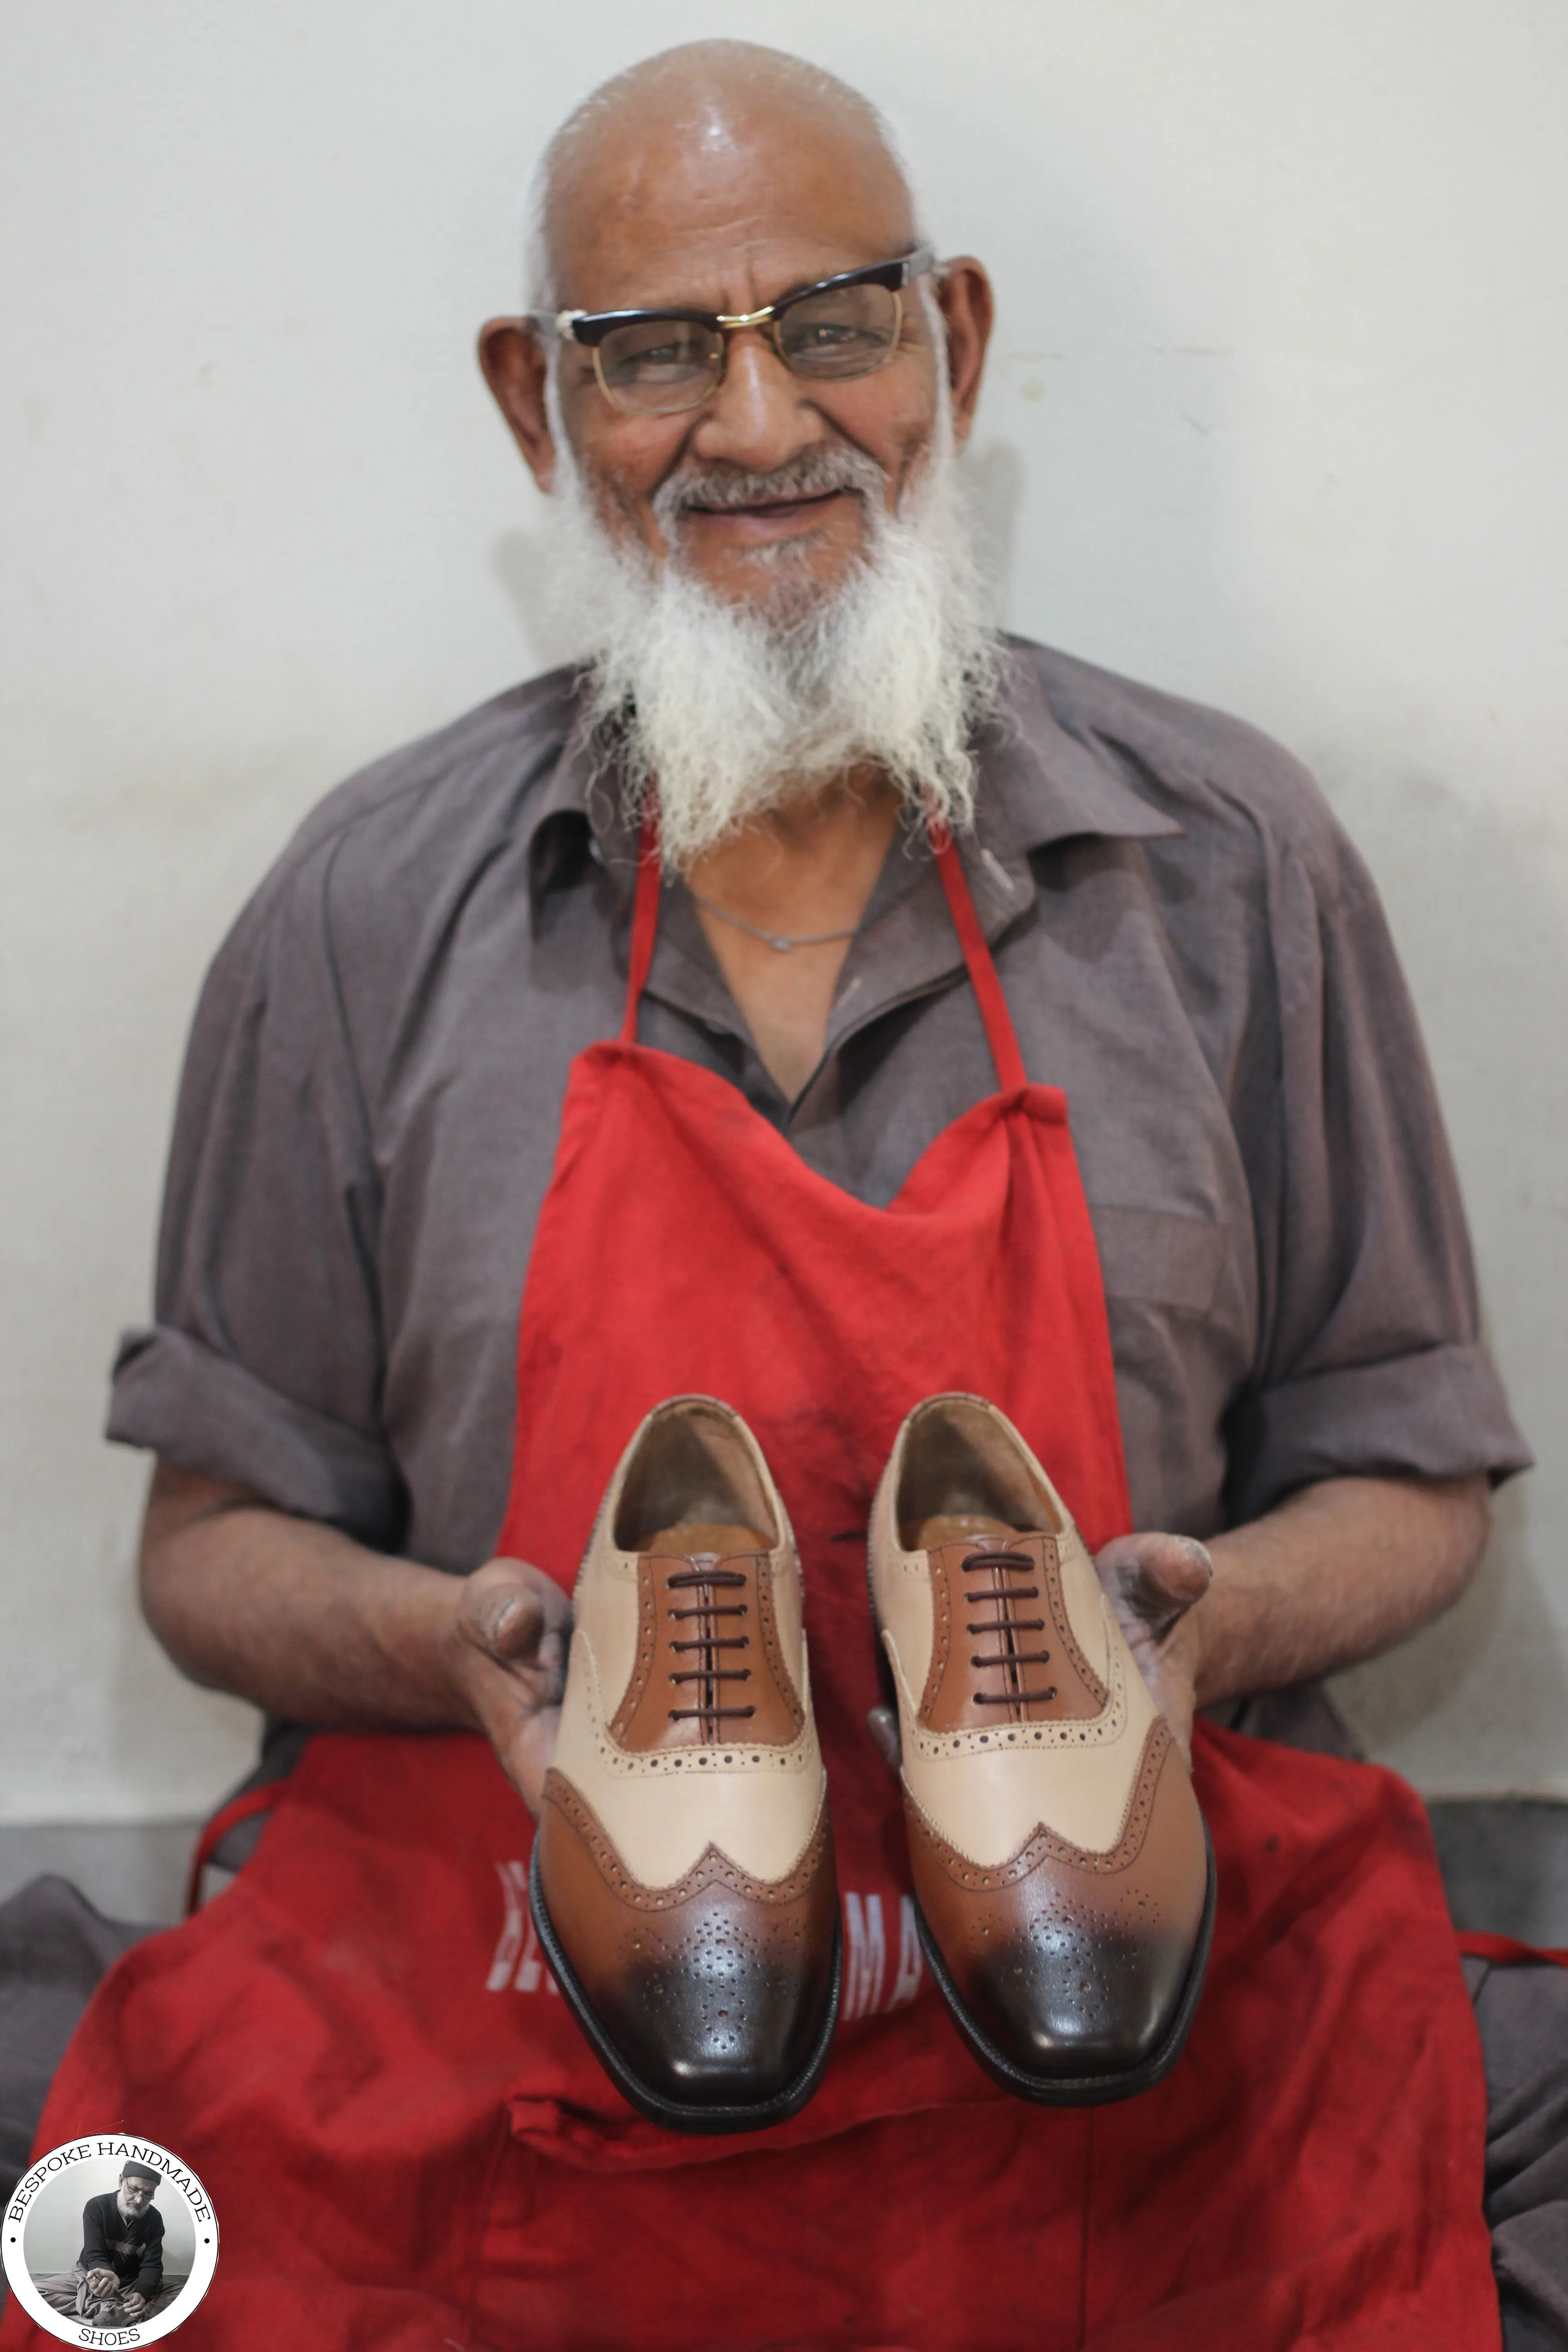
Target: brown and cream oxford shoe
{"x": 683, "y": 1880}
{"x": 1063, "y": 1876}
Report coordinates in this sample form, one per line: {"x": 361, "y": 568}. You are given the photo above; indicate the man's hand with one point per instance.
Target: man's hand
{"x": 510, "y": 1633}
{"x": 1153, "y": 1582}
{"x": 1336, "y": 1572}
{"x": 133, "y": 2303}
{"x": 303, "y": 1621}
{"x": 103, "y": 2282}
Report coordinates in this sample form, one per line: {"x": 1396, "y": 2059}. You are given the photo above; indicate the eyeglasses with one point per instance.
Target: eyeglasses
{"x": 657, "y": 363}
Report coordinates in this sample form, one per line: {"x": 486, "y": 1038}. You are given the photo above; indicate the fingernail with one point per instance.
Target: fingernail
{"x": 503, "y": 1617}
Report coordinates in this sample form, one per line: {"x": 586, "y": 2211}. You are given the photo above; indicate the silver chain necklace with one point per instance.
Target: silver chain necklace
{"x": 779, "y": 940}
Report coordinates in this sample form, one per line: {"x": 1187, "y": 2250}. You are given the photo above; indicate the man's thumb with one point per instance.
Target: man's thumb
{"x": 510, "y": 1623}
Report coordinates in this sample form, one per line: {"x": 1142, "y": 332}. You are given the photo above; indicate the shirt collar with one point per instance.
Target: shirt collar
{"x": 557, "y": 825}
{"x": 1039, "y": 783}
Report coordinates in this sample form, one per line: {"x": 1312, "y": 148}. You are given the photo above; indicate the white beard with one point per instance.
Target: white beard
{"x": 732, "y": 710}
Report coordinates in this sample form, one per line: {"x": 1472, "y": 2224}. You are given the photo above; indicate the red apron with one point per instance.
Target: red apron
{"x": 407, "y": 2140}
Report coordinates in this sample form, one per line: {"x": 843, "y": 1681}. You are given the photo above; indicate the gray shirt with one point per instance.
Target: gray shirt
{"x": 1191, "y": 949}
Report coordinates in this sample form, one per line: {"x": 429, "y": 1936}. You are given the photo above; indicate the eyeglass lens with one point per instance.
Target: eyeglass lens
{"x": 658, "y": 366}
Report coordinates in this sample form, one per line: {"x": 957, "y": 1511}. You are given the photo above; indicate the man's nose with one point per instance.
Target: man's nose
{"x": 757, "y": 418}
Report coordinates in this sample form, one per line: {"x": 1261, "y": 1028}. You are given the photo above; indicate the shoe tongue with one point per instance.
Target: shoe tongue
{"x": 970, "y": 1529}
{"x": 708, "y": 1539}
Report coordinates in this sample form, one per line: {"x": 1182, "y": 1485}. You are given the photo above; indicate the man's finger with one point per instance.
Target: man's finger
{"x": 883, "y": 1723}
{"x": 529, "y": 1755}
{"x": 512, "y": 1624}
{"x": 516, "y": 1613}
{"x": 1157, "y": 1577}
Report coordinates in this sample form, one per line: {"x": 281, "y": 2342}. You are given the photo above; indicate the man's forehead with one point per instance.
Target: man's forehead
{"x": 700, "y": 198}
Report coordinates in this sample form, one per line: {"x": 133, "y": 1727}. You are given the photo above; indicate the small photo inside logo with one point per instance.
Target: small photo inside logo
{"x": 110, "y": 2240}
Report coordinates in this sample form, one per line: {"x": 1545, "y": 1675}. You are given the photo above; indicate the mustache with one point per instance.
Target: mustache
{"x": 704, "y": 484}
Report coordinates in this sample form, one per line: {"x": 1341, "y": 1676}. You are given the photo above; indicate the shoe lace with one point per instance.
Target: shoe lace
{"x": 704, "y": 1575}
{"x": 1006, "y": 1625}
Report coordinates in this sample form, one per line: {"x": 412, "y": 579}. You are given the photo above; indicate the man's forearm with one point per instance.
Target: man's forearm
{"x": 1339, "y": 1571}
{"x": 295, "y": 1616}
{"x": 310, "y": 1625}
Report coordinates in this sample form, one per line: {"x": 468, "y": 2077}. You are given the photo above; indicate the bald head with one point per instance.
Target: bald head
{"x": 703, "y": 134}
{"x": 716, "y": 182}
{"x": 773, "y": 572}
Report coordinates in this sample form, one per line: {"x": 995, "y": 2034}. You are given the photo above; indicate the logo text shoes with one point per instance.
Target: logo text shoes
{"x": 683, "y": 1881}
{"x": 1062, "y": 1872}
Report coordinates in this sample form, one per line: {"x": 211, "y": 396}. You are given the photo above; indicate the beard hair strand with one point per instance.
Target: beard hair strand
{"x": 731, "y": 711}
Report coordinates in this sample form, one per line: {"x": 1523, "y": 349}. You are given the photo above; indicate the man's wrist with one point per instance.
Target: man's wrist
{"x": 440, "y": 1657}
{"x": 1203, "y": 1633}
{"x": 473, "y": 1623}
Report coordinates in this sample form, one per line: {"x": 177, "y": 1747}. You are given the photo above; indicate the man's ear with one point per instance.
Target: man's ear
{"x": 968, "y": 306}
{"x": 515, "y": 364}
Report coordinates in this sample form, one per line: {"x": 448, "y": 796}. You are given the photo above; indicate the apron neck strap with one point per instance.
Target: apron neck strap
{"x": 1000, "y": 1034}
{"x": 645, "y": 923}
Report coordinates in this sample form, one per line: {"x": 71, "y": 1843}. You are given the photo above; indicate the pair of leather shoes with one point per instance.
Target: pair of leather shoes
{"x": 683, "y": 1879}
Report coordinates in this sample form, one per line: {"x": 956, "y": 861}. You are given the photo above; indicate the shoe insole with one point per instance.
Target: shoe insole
{"x": 703, "y": 1534}
{"x": 951, "y": 1527}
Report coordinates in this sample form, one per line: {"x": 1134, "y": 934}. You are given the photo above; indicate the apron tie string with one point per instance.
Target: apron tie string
{"x": 1000, "y": 1034}
{"x": 644, "y": 922}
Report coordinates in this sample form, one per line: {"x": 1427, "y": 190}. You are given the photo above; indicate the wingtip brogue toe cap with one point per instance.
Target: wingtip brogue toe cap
{"x": 709, "y": 2023}
{"x": 1062, "y": 2001}
{"x": 1074, "y": 1967}
{"x": 714, "y": 1992}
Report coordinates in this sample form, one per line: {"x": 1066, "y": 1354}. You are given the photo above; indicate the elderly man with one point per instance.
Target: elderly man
{"x": 742, "y": 386}
{"x": 117, "y": 2278}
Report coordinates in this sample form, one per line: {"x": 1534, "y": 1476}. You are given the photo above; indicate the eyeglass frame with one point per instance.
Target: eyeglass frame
{"x": 589, "y": 328}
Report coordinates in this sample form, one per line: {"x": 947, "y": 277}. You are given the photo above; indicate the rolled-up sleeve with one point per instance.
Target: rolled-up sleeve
{"x": 1370, "y": 1360}
{"x": 264, "y": 1362}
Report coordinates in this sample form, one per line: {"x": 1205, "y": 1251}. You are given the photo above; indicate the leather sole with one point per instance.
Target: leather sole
{"x": 1081, "y": 2090}
{"x": 677, "y": 2115}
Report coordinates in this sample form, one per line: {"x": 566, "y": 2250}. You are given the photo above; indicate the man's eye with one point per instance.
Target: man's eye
{"x": 653, "y": 354}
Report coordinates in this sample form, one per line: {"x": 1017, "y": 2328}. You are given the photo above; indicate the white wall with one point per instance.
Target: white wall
{"x": 1275, "y": 419}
